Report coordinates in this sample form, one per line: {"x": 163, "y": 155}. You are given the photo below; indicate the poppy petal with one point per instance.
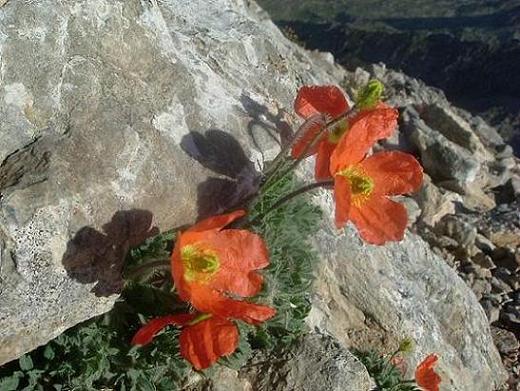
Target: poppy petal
{"x": 309, "y": 131}
{"x": 394, "y": 172}
{"x": 425, "y": 376}
{"x": 208, "y": 300}
{"x": 217, "y": 222}
{"x": 203, "y": 343}
{"x": 365, "y": 130}
{"x": 320, "y": 99}
{"x": 379, "y": 220}
{"x": 238, "y": 252}
{"x": 177, "y": 268}
{"x": 342, "y": 196}
{"x": 321, "y": 169}
{"x": 146, "y": 333}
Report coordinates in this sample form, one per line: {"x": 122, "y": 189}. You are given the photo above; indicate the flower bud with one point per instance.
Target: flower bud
{"x": 407, "y": 345}
{"x": 370, "y": 95}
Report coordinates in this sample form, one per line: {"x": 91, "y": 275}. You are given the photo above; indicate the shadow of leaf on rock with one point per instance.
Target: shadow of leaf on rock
{"x": 221, "y": 153}
{"x": 98, "y": 257}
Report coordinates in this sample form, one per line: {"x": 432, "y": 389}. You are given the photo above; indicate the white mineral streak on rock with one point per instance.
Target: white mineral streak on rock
{"x": 16, "y": 95}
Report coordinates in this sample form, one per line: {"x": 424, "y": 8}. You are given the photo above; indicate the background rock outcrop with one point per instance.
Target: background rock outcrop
{"x": 124, "y": 118}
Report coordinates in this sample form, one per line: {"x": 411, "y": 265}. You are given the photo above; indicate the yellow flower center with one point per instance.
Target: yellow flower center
{"x": 337, "y": 131}
{"x": 199, "y": 264}
{"x": 361, "y": 185}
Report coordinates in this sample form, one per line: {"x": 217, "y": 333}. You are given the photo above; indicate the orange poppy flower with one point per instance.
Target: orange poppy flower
{"x": 204, "y": 337}
{"x": 330, "y": 102}
{"x": 210, "y": 263}
{"x": 425, "y": 376}
{"x": 362, "y": 185}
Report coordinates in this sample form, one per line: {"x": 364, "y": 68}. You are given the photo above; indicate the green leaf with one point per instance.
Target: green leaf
{"x": 10, "y": 383}
{"x": 26, "y": 363}
{"x": 48, "y": 352}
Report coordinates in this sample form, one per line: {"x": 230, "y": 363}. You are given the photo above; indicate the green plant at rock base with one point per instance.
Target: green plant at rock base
{"x": 386, "y": 375}
{"x": 97, "y": 354}
{"x": 388, "y": 370}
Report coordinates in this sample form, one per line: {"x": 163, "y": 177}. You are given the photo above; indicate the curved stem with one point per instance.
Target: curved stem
{"x": 289, "y": 197}
{"x": 348, "y": 114}
{"x": 157, "y": 264}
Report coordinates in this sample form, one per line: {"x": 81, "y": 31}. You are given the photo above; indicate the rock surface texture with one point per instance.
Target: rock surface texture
{"x": 123, "y": 118}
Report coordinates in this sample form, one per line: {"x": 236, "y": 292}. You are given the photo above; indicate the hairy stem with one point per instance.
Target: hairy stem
{"x": 289, "y": 197}
{"x": 348, "y": 114}
{"x": 154, "y": 264}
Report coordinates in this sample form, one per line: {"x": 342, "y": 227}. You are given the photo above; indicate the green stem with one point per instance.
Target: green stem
{"x": 154, "y": 264}
{"x": 289, "y": 197}
{"x": 199, "y": 319}
{"x": 348, "y": 114}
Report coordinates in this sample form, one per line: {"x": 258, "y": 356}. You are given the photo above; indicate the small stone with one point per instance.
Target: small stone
{"x": 499, "y": 286}
{"x": 463, "y": 232}
{"x": 481, "y": 287}
{"x": 505, "y": 340}
{"x": 491, "y": 310}
{"x": 510, "y": 317}
{"x": 508, "y": 163}
{"x": 484, "y": 261}
{"x": 484, "y": 244}
{"x": 434, "y": 202}
{"x": 504, "y": 151}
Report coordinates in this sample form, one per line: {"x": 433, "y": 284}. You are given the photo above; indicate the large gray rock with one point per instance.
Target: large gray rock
{"x": 373, "y": 296}
{"x": 118, "y": 118}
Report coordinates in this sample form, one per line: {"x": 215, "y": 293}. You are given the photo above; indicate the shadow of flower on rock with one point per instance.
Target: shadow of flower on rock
{"x": 221, "y": 153}
{"x": 98, "y": 257}
{"x": 273, "y": 125}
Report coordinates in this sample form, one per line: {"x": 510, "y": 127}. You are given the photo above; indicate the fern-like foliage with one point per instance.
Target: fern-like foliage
{"x": 386, "y": 376}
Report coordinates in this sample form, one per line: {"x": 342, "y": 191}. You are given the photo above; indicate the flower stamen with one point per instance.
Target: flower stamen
{"x": 199, "y": 264}
{"x": 361, "y": 185}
